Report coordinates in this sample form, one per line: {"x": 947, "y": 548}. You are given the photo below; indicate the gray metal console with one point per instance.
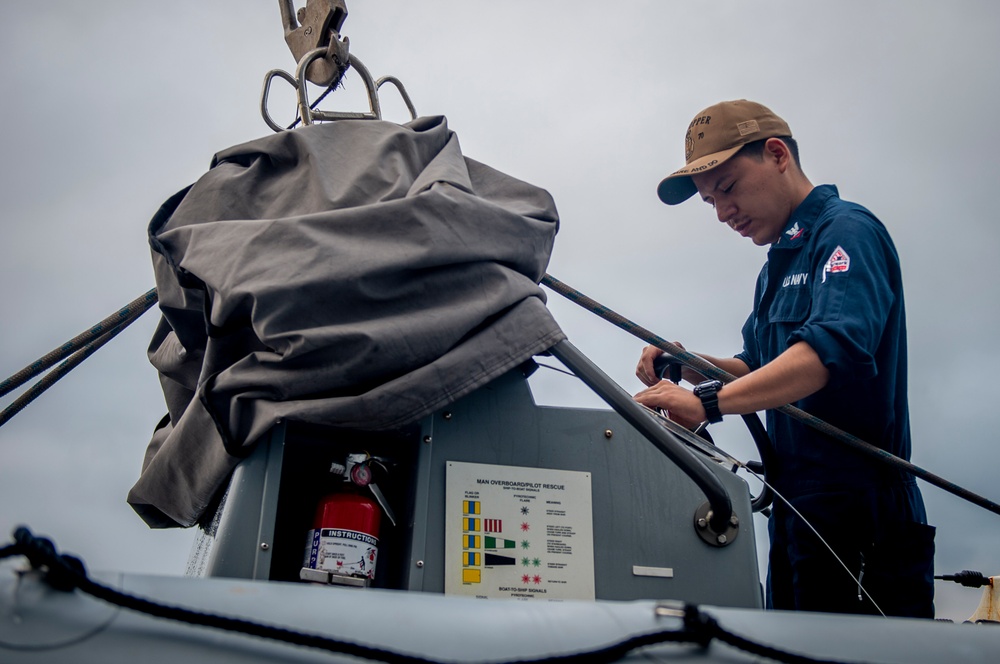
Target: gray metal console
{"x": 643, "y": 508}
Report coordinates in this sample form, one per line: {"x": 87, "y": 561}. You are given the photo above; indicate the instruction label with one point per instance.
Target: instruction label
{"x": 518, "y": 533}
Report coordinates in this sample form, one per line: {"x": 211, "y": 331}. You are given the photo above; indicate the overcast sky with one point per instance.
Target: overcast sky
{"x": 112, "y": 106}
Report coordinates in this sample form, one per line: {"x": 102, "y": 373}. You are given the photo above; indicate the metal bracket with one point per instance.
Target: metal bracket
{"x": 710, "y": 532}
{"x": 329, "y": 578}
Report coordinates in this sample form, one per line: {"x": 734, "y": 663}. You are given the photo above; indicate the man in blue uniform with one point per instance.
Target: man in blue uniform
{"x": 827, "y": 334}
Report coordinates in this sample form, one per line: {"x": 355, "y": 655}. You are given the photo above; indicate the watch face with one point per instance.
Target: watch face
{"x": 708, "y": 387}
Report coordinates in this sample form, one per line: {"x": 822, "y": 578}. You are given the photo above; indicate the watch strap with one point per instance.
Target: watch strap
{"x": 708, "y": 392}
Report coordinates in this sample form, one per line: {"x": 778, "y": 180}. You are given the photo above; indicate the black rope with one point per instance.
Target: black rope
{"x": 76, "y": 349}
{"x": 66, "y": 573}
{"x": 712, "y": 626}
{"x": 312, "y": 106}
{"x": 708, "y": 369}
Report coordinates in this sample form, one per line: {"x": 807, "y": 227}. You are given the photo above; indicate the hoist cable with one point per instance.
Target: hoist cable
{"x": 856, "y": 579}
{"x": 708, "y": 369}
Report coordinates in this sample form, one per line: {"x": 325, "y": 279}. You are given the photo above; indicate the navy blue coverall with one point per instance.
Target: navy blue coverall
{"x": 833, "y": 281}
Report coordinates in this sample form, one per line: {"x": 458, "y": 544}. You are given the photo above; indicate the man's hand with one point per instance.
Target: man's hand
{"x": 645, "y": 372}
{"x": 681, "y": 405}
{"x": 793, "y": 375}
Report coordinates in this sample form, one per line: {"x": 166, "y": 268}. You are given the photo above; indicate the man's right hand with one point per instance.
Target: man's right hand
{"x": 644, "y": 370}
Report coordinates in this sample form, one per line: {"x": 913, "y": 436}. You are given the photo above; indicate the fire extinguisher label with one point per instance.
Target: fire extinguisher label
{"x": 341, "y": 551}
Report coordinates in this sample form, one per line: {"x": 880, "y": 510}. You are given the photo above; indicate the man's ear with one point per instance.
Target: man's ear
{"x": 777, "y": 152}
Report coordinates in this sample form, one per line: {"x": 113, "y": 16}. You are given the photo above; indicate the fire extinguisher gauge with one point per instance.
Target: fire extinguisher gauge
{"x": 361, "y": 474}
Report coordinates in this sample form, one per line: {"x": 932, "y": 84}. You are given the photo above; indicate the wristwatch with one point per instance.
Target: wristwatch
{"x": 708, "y": 392}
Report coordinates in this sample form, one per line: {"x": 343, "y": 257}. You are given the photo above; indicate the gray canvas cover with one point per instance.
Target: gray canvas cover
{"x": 358, "y": 273}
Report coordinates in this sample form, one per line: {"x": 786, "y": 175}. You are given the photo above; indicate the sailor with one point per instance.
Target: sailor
{"x": 827, "y": 334}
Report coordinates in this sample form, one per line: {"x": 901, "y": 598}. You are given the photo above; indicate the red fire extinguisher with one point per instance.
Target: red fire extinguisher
{"x": 342, "y": 546}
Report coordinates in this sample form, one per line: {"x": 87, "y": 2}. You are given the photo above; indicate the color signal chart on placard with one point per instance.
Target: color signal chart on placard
{"x": 514, "y": 532}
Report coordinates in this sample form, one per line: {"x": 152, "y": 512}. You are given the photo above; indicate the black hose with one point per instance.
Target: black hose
{"x": 968, "y": 578}
{"x": 766, "y": 452}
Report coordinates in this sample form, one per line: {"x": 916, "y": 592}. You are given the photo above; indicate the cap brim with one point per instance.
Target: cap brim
{"x": 676, "y": 189}
{"x": 678, "y": 186}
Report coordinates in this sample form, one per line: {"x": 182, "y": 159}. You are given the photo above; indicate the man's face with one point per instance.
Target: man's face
{"x": 747, "y": 195}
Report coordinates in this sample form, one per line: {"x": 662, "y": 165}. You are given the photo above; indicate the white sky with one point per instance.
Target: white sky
{"x": 112, "y": 106}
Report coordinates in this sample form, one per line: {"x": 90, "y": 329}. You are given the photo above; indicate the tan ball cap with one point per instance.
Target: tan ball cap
{"x": 715, "y": 135}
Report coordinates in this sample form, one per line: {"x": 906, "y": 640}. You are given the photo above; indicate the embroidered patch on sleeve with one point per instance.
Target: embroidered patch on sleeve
{"x": 839, "y": 261}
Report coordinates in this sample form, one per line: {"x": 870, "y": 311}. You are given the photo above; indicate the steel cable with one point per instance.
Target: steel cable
{"x": 107, "y": 329}
{"x": 708, "y": 369}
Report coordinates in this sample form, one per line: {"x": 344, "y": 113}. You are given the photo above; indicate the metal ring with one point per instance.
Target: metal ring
{"x": 308, "y": 115}
{"x": 266, "y": 91}
{"x": 402, "y": 93}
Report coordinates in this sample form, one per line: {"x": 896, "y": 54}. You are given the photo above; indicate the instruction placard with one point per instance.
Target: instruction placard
{"x": 516, "y": 532}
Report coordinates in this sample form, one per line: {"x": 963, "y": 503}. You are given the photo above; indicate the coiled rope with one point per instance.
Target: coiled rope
{"x": 706, "y": 368}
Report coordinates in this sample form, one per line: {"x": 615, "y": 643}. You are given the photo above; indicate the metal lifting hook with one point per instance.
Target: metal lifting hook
{"x": 317, "y": 25}
{"x": 313, "y": 36}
